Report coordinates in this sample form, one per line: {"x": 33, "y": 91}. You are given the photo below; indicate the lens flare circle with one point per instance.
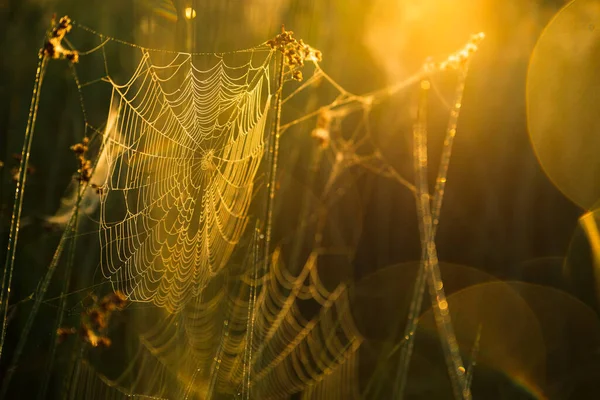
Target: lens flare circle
{"x": 563, "y": 93}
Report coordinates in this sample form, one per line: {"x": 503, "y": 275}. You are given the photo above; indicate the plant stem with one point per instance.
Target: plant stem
{"x": 19, "y": 194}
{"x": 273, "y": 157}
{"x": 317, "y": 155}
{"x": 43, "y": 287}
{"x": 430, "y": 261}
{"x": 438, "y": 196}
{"x": 474, "y": 354}
{"x": 63, "y": 298}
{"x": 273, "y": 153}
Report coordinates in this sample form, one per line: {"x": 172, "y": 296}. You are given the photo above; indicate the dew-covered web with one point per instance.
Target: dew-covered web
{"x": 184, "y": 236}
{"x": 187, "y": 152}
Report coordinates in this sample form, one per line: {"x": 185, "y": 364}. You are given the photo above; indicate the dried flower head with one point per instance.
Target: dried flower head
{"x": 85, "y": 170}
{"x": 458, "y": 59}
{"x": 95, "y": 320}
{"x": 80, "y": 148}
{"x": 85, "y": 165}
{"x": 295, "y": 52}
{"x": 53, "y": 47}
{"x": 113, "y": 301}
{"x": 94, "y": 339}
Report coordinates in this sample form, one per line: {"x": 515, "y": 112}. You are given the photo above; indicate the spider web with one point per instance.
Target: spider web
{"x": 181, "y": 163}
{"x": 191, "y": 141}
{"x": 182, "y": 152}
{"x": 206, "y": 349}
{"x": 181, "y": 156}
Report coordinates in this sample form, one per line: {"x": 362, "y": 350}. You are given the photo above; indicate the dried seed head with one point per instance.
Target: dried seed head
{"x": 53, "y": 47}
{"x": 295, "y": 52}
{"x": 458, "y": 59}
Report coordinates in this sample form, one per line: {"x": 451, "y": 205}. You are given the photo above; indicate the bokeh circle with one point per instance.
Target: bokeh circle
{"x": 563, "y": 96}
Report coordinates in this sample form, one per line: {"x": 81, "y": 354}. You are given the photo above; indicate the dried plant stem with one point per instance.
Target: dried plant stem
{"x": 43, "y": 287}
{"x": 272, "y": 158}
{"x": 273, "y": 154}
{"x": 63, "y": 298}
{"x": 473, "y": 361}
{"x": 438, "y": 196}
{"x": 303, "y": 220}
{"x": 250, "y": 324}
{"x": 39, "y": 298}
{"x": 9, "y": 264}
{"x": 430, "y": 262}
{"x": 36, "y": 305}
{"x": 253, "y": 308}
